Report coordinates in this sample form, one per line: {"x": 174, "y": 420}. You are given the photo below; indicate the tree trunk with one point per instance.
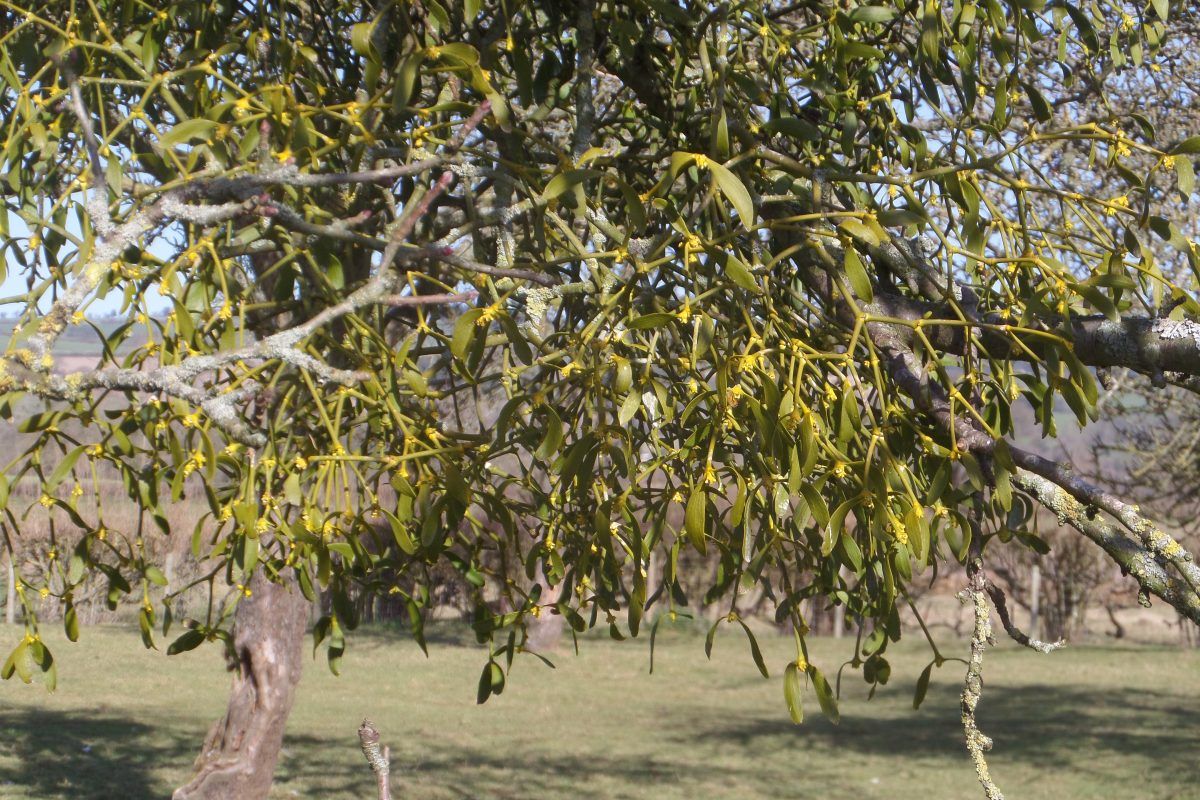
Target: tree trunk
{"x": 1118, "y": 628}
{"x": 10, "y": 601}
{"x": 839, "y": 611}
{"x": 546, "y": 630}
{"x": 240, "y": 752}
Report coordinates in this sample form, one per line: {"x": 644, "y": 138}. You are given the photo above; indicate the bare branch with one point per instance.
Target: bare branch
{"x": 1155, "y": 540}
{"x": 97, "y": 194}
{"x": 288, "y": 175}
{"x": 448, "y": 256}
{"x": 377, "y": 757}
{"x": 404, "y": 300}
{"x": 1133, "y": 557}
{"x": 977, "y": 743}
{"x": 1017, "y": 635}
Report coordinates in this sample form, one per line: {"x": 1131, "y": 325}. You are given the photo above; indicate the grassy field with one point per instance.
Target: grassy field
{"x": 1089, "y": 722}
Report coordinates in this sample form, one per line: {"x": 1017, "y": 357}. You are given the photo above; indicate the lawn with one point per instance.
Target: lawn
{"x": 1087, "y": 722}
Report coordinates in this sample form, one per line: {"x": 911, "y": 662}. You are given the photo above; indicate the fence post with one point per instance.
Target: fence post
{"x": 1035, "y": 597}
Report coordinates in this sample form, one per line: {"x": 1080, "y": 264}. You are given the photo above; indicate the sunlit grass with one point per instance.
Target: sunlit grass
{"x": 1087, "y": 722}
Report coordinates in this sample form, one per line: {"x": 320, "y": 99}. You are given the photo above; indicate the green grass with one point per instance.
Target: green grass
{"x": 1088, "y": 722}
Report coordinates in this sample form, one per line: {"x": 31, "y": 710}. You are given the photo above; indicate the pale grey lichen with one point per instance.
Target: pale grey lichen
{"x": 1137, "y": 557}
{"x": 977, "y": 742}
{"x": 1177, "y": 329}
{"x": 537, "y": 303}
{"x": 466, "y": 170}
{"x": 639, "y": 248}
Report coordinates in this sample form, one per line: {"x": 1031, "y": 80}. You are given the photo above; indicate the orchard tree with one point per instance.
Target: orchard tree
{"x": 508, "y": 287}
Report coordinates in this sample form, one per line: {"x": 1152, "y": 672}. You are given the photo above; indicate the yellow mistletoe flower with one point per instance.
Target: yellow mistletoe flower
{"x": 490, "y": 313}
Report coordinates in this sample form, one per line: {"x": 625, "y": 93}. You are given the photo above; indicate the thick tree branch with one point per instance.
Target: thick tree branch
{"x": 929, "y": 397}
{"x": 1133, "y": 557}
{"x": 1149, "y": 345}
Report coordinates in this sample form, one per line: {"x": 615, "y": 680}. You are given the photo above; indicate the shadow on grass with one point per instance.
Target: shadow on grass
{"x": 92, "y": 756}
{"x": 438, "y": 633}
{"x": 1117, "y": 738}
{"x": 89, "y": 756}
{"x": 1046, "y": 726}
{"x": 104, "y": 756}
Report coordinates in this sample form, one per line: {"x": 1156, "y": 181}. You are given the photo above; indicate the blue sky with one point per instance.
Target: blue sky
{"x": 15, "y": 277}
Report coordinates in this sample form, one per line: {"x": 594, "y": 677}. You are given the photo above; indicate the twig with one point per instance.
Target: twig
{"x": 377, "y": 757}
{"x": 981, "y": 637}
{"x": 409, "y": 221}
{"x": 977, "y": 742}
{"x": 1019, "y": 636}
{"x": 401, "y": 300}
{"x": 97, "y": 196}
{"x": 446, "y": 255}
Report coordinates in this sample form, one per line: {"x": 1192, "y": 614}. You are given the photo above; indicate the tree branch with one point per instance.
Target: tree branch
{"x": 585, "y": 107}
{"x": 1086, "y": 499}
{"x": 1133, "y": 557}
{"x": 97, "y": 194}
{"x": 404, "y": 300}
{"x": 977, "y": 743}
{"x": 107, "y": 251}
{"x": 1017, "y": 635}
{"x": 377, "y": 757}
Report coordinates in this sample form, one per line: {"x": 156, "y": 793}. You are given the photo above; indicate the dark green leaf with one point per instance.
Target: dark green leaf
{"x": 922, "y": 686}
{"x": 190, "y": 640}
{"x": 734, "y": 191}
{"x": 860, "y": 282}
{"x": 755, "y": 652}
{"x": 829, "y": 706}
{"x": 793, "y": 691}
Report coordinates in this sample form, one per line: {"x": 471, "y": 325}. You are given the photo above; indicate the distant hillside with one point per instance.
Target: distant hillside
{"x": 82, "y": 340}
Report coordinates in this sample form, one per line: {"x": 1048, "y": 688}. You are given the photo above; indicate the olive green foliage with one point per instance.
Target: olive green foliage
{"x": 547, "y": 291}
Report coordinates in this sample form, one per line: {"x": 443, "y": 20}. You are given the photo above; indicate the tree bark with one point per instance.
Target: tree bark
{"x": 545, "y": 631}
{"x": 10, "y": 600}
{"x": 241, "y": 750}
{"x": 839, "y": 611}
